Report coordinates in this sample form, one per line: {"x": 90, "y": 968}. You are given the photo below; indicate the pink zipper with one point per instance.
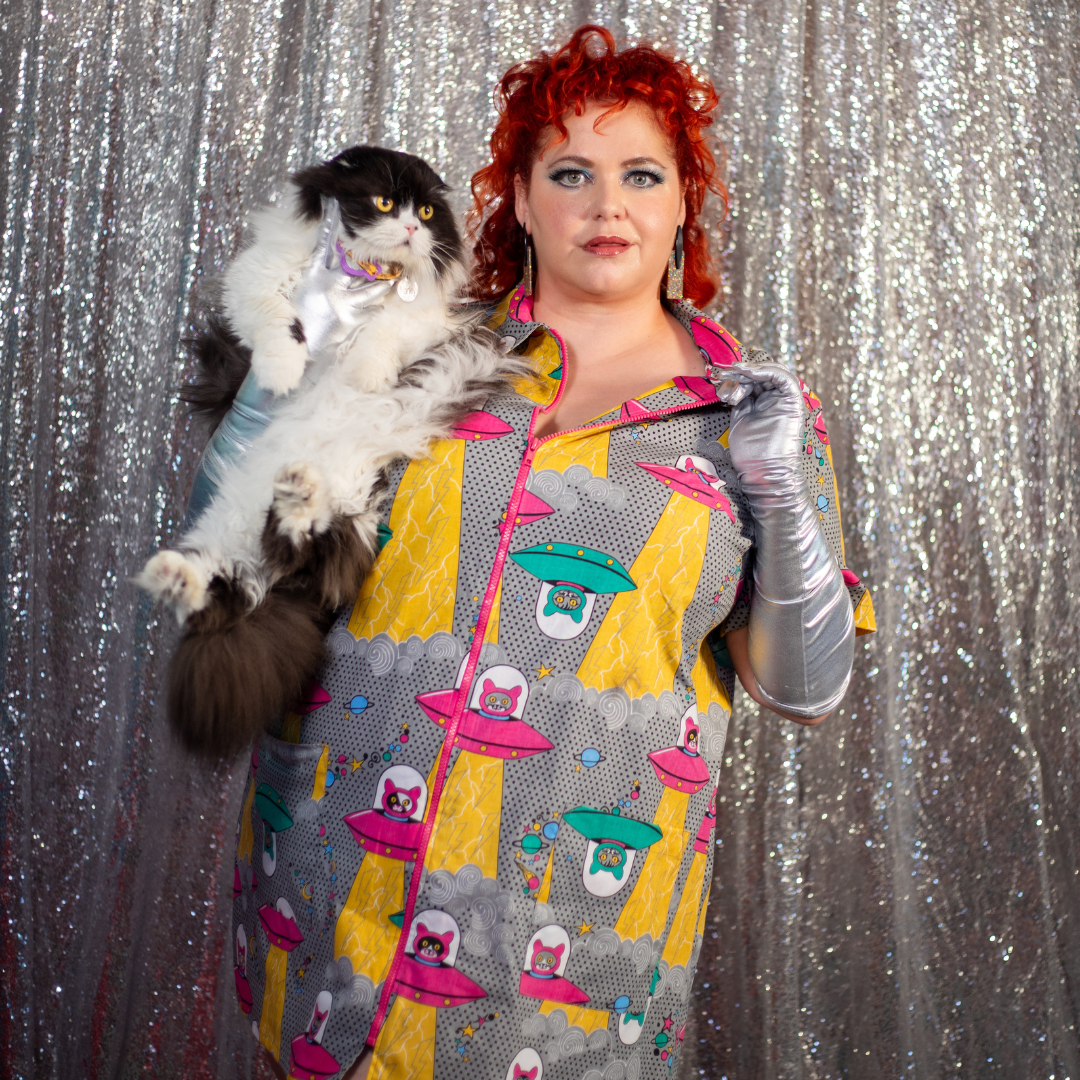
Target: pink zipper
{"x": 467, "y": 675}
{"x": 501, "y": 552}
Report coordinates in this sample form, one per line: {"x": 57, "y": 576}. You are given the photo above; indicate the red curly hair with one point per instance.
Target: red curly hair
{"x": 537, "y": 94}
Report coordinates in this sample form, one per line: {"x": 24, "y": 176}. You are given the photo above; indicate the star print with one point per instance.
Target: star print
{"x": 468, "y": 1031}
{"x": 668, "y": 1022}
{"x": 542, "y": 672}
{"x": 355, "y": 764}
{"x": 584, "y": 928}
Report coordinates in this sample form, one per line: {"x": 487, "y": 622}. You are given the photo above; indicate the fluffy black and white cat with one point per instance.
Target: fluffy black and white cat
{"x": 361, "y": 378}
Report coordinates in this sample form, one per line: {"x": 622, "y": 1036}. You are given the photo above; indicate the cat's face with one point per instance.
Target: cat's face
{"x": 393, "y": 208}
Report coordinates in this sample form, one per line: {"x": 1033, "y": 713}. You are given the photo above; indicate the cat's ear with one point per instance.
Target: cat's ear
{"x": 312, "y": 185}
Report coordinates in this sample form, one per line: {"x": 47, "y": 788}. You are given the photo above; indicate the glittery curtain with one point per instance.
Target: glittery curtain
{"x": 897, "y": 892}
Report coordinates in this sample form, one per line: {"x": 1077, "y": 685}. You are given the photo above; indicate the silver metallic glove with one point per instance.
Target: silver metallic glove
{"x": 802, "y": 630}
{"x": 331, "y": 303}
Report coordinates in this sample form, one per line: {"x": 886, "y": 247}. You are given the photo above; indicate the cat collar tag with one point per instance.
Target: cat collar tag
{"x": 407, "y": 289}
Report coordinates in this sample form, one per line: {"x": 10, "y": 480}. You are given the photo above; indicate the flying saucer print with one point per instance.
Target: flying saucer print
{"x": 427, "y": 974}
{"x": 280, "y": 925}
{"x": 694, "y": 477}
{"x": 708, "y": 823}
{"x": 492, "y": 724}
{"x": 614, "y": 840}
{"x": 571, "y": 577}
{"x": 478, "y": 426}
{"x": 393, "y": 826}
{"x": 275, "y": 818}
{"x": 696, "y": 387}
{"x": 532, "y": 508}
{"x": 310, "y": 1061}
{"x": 717, "y": 347}
{"x": 633, "y": 410}
{"x": 528, "y": 1065}
{"x": 546, "y": 957}
{"x": 681, "y": 767}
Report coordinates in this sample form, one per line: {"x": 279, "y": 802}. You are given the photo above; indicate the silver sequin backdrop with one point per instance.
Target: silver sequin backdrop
{"x": 897, "y": 892}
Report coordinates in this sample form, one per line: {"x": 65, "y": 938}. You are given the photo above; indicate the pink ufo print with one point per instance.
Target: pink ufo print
{"x": 694, "y": 477}
{"x": 393, "y": 826}
{"x": 309, "y": 1060}
{"x": 532, "y": 508}
{"x": 427, "y": 974}
{"x": 546, "y": 957}
{"x": 680, "y": 767}
{"x": 633, "y": 410}
{"x": 480, "y": 425}
{"x": 492, "y": 724}
{"x": 696, "y": 387}
{"x": 243, "y": 987}
{"x": 315, "y": 698}
{"x": 717, "y": 346}
{"x": 280, "y": 926}
{"x": 708, "y": 823}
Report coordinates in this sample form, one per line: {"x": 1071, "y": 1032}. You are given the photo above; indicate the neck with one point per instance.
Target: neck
{"x": 616, "y": 348}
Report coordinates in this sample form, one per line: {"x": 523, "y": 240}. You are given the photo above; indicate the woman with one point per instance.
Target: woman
{"x": 486, "y": 846}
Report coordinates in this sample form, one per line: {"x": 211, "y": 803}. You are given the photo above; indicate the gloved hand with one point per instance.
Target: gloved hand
{"x": 330, "y": 303}
{"x": 802, "y": 630}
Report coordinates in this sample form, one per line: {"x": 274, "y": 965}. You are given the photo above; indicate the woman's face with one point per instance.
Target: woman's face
{"x": 602, "y": 206}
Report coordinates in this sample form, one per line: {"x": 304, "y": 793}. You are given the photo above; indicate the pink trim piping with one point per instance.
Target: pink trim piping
{"x": 467, "y": 675}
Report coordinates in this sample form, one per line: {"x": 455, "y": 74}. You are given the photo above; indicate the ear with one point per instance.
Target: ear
{"x": 489, "y": 686}
{"x": 521, "y": 203}
{"x": 421, "y": 930}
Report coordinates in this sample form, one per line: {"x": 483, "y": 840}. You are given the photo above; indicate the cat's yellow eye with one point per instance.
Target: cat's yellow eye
{"x": 426, "y": 212}
{"x": 384, "y": 204}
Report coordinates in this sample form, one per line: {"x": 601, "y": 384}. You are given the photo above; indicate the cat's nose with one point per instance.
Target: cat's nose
{"x": 410, "y": 229}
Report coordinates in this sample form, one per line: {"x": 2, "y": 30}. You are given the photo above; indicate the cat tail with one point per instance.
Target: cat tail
{"x": 222, "y": 364}
{"x": 236, "y": 667}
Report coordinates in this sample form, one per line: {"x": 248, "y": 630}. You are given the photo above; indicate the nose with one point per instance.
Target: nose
{"x": 410, "y": 229}
{"x": 608, "y": 204}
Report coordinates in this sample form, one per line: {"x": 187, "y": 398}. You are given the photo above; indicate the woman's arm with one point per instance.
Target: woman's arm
{"x": 738, "y": 646}
{"x": 800, "y": 641}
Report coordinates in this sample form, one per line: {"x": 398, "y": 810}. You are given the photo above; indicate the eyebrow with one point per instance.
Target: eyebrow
{"x": 585, "y": 163}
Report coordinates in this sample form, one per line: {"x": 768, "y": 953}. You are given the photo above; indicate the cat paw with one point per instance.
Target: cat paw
{"x": 172, "y": 580}
{"x": 301, "y": 504}
{"x": 279, "y": 363}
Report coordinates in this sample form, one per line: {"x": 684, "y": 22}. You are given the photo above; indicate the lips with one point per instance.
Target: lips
{"x": 606, "y": 245}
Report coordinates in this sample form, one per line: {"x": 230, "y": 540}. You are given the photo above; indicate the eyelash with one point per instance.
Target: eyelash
{"x": 560, "y": 174}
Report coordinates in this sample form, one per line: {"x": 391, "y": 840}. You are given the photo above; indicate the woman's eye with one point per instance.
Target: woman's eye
{"x": 426, "y": 212}
{"x": 643, "y": 179}
{"x": 384, "y": 204}
{"x": 570, "y": 178}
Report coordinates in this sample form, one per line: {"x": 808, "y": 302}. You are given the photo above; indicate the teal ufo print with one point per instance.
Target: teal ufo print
{"x": 571, "y": 576}
{"x": 276, "y": 818}
{"x": 614, "y": 840}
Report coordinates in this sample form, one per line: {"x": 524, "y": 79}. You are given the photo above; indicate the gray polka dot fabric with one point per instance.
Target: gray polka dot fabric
{"x": 483, "y": 844}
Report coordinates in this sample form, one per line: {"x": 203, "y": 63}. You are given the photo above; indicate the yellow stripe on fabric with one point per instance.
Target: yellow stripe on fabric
{"x": 700, "y": 928}
{"x": 364, "y": 932}
{"x": 411, "y": 588}
{"x": 639, "y": 643}
{"x": 318, "y": 788}
{"x": 588, "y": 448}
{"x": 469, "y": 816}
{"x": 865, "y": 622}
{"x": 543, "y": 350}
{"x": 680, "y": 942}
{"x": 273, "y": 1003}
{"x": 290, "y": 727}
{"x": 646, "y": 910}
{"x": 705, "y": 678}
{"x": 405, "y": 1048}
{"x": 589, "y": 1020}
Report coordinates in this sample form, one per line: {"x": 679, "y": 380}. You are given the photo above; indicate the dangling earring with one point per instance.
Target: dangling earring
{"x": 675, "y": 268}
{"x": 527, "y": 280}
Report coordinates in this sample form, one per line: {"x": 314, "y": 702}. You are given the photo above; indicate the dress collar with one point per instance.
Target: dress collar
{"x": 513, "y": 321}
